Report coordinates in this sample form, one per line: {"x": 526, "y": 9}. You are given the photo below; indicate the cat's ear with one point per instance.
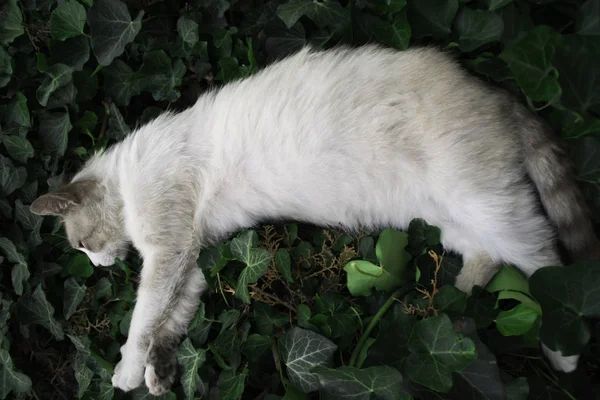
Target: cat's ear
{"x": 64, "y": 199}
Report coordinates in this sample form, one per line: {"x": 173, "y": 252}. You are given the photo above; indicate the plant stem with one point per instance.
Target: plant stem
{"x": 373, "y": 323}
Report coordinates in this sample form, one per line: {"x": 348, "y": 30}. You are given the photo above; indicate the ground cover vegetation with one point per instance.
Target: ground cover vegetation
{"x": 294, "y": 311}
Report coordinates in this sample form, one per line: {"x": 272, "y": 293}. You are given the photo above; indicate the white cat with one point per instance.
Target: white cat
{"x": 346, "y": 138}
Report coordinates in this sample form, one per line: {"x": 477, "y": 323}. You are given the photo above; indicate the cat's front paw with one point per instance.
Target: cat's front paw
{"x": 129, "y": 372}
{"x": 161, "y": 366}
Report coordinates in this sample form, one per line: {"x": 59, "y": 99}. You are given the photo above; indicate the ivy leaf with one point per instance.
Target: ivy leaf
{"x": 266, "y": 317}
{"x": 283, "y": 263}
{"x": 347, "y": 383}
{"x": 36, "y": 309}
{"x": 18, "y": 148}
{"x": 257, "y": 262}
{"x": 103, "y": 289}
{"x": 450, "y": 300}
{"x": 530, "y": 60}
{"x": 481, "y": 378}
{"x": 111, "y": 29}
{"x": 231, "y": 384}
{"x": 67, "y": 20}
{"x": 73, "y": 52}
{"x": 10, "y": 251}
{"x": 302, "y": 350}
{"x": 19, "y": 275}
{"x": 54, "y": 129}
{"x": 12, "y": 22}
{"x": 436, "y": 352}
{"x": 257, "y": 346}
{"x": 57, "y": 76}
{"x": 518, "y": 389}
{"x": 190, "y": 359}
{"x": 120, "y": 83}
{"x": 363, "y": 276}
{"x": 74, "y": 294}
{"x": 117, "y": 128}
{"x": 11, "y": 177}
{"x": 394, "y": 33}
{"x": 79, "y": 266}
{"x": 6, "y": 70}
{"x": 588, "y": 18}
{"x": 567, "y": 294}
{"x": 579, "y": 76}
{"x": 188, "y": 31}
{"x": 422, "y": 235}
{"x": 432, "y": 17}
{"x": 493, "y": 5}
{"x": 477, "y": 27}
{"x": 326, "y": 13}
{"x": 282, "y": 41}
{"x": 17, "y": 111}
{"x": 516, "y": 321}
{"x": 10, "y": 379}
{"x": 161, "y": 76}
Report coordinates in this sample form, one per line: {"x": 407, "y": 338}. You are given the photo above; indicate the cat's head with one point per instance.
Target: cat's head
{"x": 92, "y": 221}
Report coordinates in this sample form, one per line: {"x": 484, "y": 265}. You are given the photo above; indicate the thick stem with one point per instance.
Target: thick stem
{"x": 373, "y": 323}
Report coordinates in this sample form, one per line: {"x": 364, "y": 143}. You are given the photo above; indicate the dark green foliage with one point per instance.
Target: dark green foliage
{"x": 292, "y": 309}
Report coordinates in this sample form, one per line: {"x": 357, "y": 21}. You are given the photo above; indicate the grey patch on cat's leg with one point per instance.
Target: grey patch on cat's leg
{"x": 477, "y": 270}
{"x": 161, "y": 365}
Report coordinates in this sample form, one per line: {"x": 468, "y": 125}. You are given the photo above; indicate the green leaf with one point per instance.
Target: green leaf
{"x": 54, "y": 130}
{"x": 394, "y": 33}
{"x": 567, "y": 294}
{"x": 432, "y": 17}
{"x": 67, "y": 20}
{"x": 493, "y": 5}
{"x": 266, "y": 317}
{"x": 120, "y": 83}
{"x": 79, "y": 266}
{"x": 480, "y": 379}
{"x": 190, "y": 359}
{"x": 11, "y": 177}
{"x": 302, "y": 350}
{"x": 516, "y": 321}
{"x": 103, "y": 289}
{"x": 19, "y": 275}
{"x": 450, "y": 300}
{"x": 283, "y": 263}
{"x": 588, "y": 18}
{"x": 257, "y": 262}
{"x": 326, "y": 13}
{"x": 111, "y": 29}
{"x": 188, "y": 31}
{"x": 18, "y": 148}
{"x": 518, "y": 389}
{"x": 10, "y": 251}
{"x": 6, "y": 70}
{"x": 10, "y": 379}
{"x": 477, "y": 27}
{"x": 363, "y": 276}
{"x": 74, "y": 294}
{"x": 57, "y": 76}
{"x": 11, "y": 25}
{"x": 508, "y": 278}
{"x": 579, "y": 75}
{"x": 422, "y": 235}
{"x": 436, "y": 352}
{"x": 161, "y": 76}
{"x": 35, "y": 309}
{"x": 530, "y": 60}
{"x": 117, "y": 128}
{"x": 347, "y": 383}
{"x": 73, "y": 52}
{"x": 231, "y": 384}
{"x": 390, "y": 251}
{"x": 391, "y": 345}
{"x": 17, "y": 111}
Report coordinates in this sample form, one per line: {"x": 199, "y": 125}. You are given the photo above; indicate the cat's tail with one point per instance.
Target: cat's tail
{"x": 551, "y": 170}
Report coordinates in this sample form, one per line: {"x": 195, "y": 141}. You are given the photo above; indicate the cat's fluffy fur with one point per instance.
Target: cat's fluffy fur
{"x": 346, "y": 138}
